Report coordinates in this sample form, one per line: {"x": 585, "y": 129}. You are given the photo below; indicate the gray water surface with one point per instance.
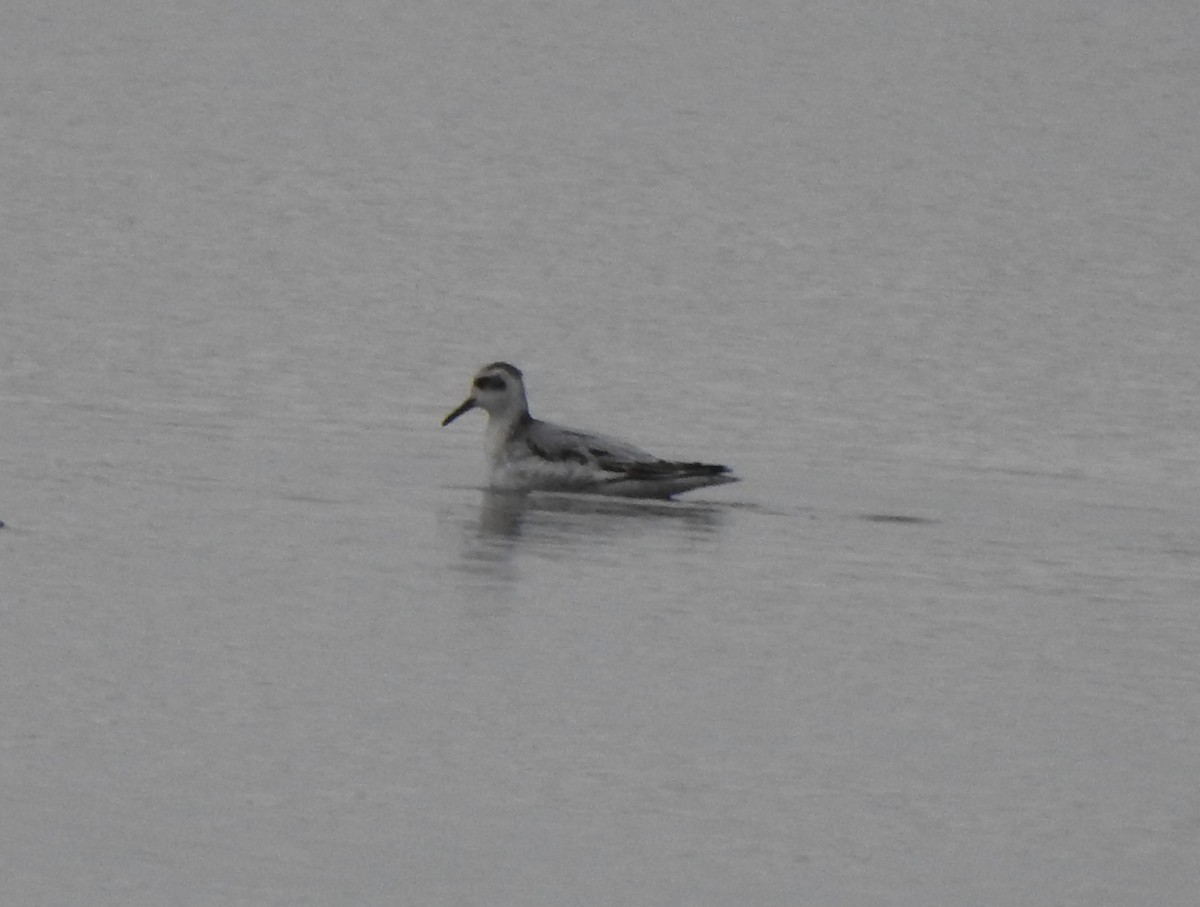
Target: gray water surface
{"x": 924, "y": 274}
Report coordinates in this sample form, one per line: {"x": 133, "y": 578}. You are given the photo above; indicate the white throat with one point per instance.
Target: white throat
{"x": 499, "y": 429}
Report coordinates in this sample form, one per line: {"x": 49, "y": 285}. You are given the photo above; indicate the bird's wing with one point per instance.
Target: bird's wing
{"x": 557, "y": 443}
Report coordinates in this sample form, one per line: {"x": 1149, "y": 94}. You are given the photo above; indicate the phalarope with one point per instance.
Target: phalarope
{"x": 527, "y": 454}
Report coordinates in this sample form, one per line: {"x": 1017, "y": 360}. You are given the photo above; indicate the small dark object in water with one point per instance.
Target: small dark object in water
{"x": 896, "y": 518}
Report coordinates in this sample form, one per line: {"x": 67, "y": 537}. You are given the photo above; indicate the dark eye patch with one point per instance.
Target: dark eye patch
{"x": 490, "y": 383}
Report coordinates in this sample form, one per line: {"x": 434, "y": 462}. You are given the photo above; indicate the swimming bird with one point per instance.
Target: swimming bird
{"x": 527, "y": 454}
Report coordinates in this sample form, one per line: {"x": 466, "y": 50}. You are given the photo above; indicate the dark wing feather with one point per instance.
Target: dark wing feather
{"x": 662, "y": 469}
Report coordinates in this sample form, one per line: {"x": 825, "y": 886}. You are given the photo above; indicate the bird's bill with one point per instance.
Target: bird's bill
{"x": 466, "y": 405}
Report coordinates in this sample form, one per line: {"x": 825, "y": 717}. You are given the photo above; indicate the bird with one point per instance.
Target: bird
{"x": 527, "y": 454}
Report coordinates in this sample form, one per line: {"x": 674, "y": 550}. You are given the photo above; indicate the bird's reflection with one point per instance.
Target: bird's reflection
{"x": 560, "y": 525}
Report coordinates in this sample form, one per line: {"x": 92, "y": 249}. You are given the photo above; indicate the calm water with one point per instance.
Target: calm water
{"x": 925, "y": 274}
